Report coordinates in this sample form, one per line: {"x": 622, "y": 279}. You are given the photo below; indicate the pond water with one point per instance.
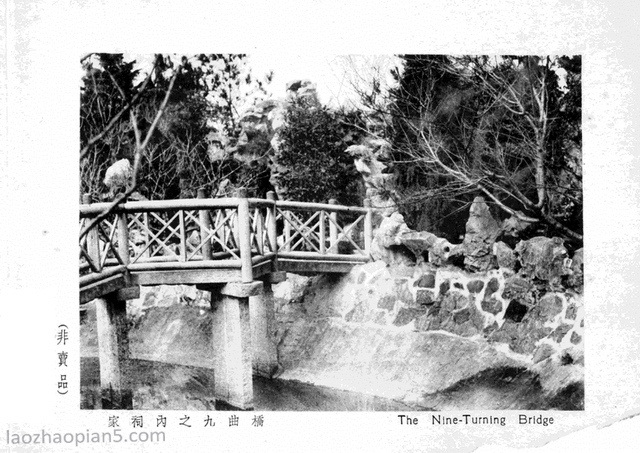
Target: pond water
{"x": 176, "y": 387}
{"x": 167, "y": 386}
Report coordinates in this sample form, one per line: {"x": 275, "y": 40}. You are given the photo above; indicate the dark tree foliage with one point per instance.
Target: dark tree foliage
{"x": 202, "y": 112}
{"x": 177, "y": 163}
{"x": 504, "y": 128}
{"x": 100, "y": 102}
{"x": 566, "y": 157}
{"x": 427, "y": 92}
{"x": 313, "y": 165}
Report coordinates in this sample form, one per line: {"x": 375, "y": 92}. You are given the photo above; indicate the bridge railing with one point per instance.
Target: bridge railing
{"x": 320, "y": 229}
{"x": 102, "y": 255}
{"x": 202, "y": 233}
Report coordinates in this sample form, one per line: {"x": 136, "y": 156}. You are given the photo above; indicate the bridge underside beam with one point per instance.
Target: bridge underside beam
{"x": 185, "y": 277}
{"x": 196, "y": 276}
{"x": 315, "y": 266}
{"x": 106, "y": 286}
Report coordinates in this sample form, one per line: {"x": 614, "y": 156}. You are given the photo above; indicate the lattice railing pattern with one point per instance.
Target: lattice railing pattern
{"x": 182, "y": 235}
{"x": 99, "y": 248}
{"x": 349, "y": 234}
{"x": 220, "y": 231}
{"x": 261, "y": 242}
{"x": 319, "y": 231}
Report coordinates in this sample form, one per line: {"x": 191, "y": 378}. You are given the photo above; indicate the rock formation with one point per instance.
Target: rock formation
{"x": 257, "y": 126}
{"x": 118, "y": 176}
{"x": 258, "y": 140}
{"x": 481, "y": 233}
{"x": 438, "y": 250}
{"x": 370, "y": 158}
{"x": 386, "y": 245}
{"x": 505, "y": 256}
{"x": 544, "y": 258}
{"x": 576, "y": 275}
{"x": 303, "y": 89}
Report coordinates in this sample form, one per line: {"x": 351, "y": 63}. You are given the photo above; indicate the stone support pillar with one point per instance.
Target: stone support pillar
{"x": 231, "y": 342}
{"x": 265, "y": 354}
{"x": 113, "y": 349}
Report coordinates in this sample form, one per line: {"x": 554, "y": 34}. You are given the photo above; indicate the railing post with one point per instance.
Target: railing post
{"x": 123, "y": 237}
{"x": 259, "y": 230}
{"x": 272, "y": 231}
{"x": 244, "y": 236}
{"x": 183, "y": 236}
{"x": 123, "y": 242}
{"x": 368, "y": 226}
{"x": 333, "y": 228}
{"x": 205, "y": 226}
{"x": 323, "y": 233}
{"x": 287, "y": 230}
{"x": 93, "y": 241}
{"x": 147, "y": 235}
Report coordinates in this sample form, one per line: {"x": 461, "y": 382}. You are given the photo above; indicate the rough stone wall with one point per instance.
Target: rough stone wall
{"x": 497, "y": 306}
{"x": 411, "y": 332}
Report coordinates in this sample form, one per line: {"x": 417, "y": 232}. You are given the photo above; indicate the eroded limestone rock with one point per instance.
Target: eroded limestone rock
{"x": 257, "y": 132}
{"x": 543, "y": 352}
{"x": 386, "y": 246}
{"x": 370, "y": 159}
{"x": 481, "y": 233}
{"x": 505, "y": 256}
{"x": 543, "y": 258}
{"x": 576, "y": 278}
{"x": 303, "y": 88}
{"x": 118, "y": 176}
{"x": 421, "y": 242}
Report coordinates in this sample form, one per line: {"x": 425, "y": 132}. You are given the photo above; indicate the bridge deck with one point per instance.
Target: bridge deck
{"x": 208, "y": 241}
{"x": 204, "y": 275}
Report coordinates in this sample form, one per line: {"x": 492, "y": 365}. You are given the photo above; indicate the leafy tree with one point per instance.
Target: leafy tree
{"x": 311, "y": 159}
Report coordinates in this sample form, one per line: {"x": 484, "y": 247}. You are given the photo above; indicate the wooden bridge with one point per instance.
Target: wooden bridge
{"x": 233, "y": 247}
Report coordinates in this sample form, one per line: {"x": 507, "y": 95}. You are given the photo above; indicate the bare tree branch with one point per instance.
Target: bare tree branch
{"x": 116, "y": 118}
{"x": 140, "y": 147}
{"x": 498, "y": 145}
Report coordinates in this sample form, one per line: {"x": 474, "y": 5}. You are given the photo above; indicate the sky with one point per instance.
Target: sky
{"x": 334, "y": 75}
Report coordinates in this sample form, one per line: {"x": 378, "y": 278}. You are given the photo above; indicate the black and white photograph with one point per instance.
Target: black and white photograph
{"x": 322, "y": 226}
{"x": 415, "y": 247}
